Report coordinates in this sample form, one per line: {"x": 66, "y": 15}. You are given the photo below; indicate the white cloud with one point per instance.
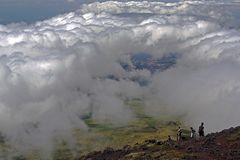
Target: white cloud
{"x": 54, "y": 71}
{"x": 70, "y": 0}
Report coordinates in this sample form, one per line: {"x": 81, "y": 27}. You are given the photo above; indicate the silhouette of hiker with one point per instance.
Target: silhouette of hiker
{"x": 192, "y": 132}
{"x": 169, "y": 138}
{"x": 170, "y": 141}
{"x": 179, "y": 135}
{"x": 201, "y": 130}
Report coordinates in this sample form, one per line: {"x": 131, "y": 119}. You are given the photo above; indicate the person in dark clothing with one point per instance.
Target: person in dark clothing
{"x": 169, "y": 138}
{"x": 201, "y": 130}
{"x": 170, "y": 141}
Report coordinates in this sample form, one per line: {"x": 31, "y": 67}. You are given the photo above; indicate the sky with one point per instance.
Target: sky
{"x": 30, "y": 11}
{"x": 55, "y": 71}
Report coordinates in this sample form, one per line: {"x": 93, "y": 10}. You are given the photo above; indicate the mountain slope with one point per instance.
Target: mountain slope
{"x": 224, "y": 145}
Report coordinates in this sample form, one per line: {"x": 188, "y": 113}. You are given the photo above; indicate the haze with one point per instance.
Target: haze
{"x": 57, "y": 70}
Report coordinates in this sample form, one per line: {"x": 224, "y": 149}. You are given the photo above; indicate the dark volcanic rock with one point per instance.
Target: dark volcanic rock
{"x": 224, "y": 145}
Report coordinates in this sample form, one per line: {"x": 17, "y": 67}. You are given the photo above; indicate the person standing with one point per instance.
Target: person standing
{"x": 192, "y": 132}
{"x": 179, "y": 135}
{"x": 201, "y": 130}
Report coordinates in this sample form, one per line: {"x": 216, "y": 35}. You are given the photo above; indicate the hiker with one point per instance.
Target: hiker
{"x": 169, "y": 138}
{"x": 201, "y": 130}
{"x": 170, "y": 141}
{"x": 179, "y": 135}
{"x": 192, "y": 132}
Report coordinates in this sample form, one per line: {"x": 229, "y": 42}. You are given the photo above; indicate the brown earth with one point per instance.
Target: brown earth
{"x": 224, "y": 145}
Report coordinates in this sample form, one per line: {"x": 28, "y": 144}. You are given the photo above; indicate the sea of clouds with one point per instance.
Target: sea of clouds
{"x": 53, "y": 72}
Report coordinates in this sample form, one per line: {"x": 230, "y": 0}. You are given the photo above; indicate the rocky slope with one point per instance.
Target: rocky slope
{"x": 224, "y": 145}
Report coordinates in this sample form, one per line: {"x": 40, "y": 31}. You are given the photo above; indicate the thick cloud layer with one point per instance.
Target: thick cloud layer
{"x": 56, "y": 71}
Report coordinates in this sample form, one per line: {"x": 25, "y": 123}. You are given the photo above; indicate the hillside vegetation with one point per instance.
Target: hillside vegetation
{"x": 101, "y": 135}
{"x": 224, "y": 145}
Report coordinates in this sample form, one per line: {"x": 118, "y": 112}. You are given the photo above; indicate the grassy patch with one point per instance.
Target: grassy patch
{"x": 101, "y": 135}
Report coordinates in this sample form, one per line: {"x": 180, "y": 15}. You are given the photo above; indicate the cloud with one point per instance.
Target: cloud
{"x": 70, "y": 0}
{"x": 54, "y": 72}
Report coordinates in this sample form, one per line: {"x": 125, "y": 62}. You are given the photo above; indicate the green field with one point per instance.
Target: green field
{"x": 102, "y": 135}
